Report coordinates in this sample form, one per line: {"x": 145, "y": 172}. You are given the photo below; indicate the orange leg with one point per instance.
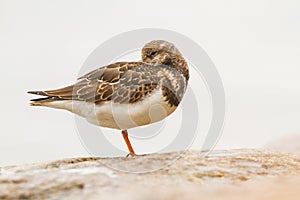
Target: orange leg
{"x": 125, "y": 136}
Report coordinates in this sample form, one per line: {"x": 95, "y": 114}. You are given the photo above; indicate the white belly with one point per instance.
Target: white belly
{"x": 121, "y": 116}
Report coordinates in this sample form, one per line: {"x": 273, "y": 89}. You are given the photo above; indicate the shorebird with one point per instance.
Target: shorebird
{"x": 125, "y": 95}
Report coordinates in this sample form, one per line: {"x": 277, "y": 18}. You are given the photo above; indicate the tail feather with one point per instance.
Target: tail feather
{"x": 50, "y": 96}
{"x": 42, "y": 93}
{"x": 62, "y": 93}
{"x": 43, "y": 100}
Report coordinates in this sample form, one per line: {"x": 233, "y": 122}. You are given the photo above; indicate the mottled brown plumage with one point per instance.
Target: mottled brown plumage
{"x": 122, "y": 82}
{"x": 162, "y": 72}
{"x": 130, "y": 82}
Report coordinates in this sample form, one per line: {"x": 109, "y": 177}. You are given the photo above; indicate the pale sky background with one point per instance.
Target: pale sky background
{"x": 254, "y": 44}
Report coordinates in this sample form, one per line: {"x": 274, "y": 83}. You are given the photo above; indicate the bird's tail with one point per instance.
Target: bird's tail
{"x": 41, "y": 101}
{"x": 52, "y": 98}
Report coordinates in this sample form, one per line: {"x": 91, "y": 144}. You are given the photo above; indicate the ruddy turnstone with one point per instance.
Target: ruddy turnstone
{"x": 125, "y": 95}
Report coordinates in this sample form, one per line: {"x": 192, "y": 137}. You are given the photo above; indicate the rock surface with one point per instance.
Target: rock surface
{"x": 190, "y": 174}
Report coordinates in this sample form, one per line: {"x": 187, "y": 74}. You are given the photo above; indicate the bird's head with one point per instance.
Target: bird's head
{"x": 163, "y": 52}
{"x": 159, "y": 51}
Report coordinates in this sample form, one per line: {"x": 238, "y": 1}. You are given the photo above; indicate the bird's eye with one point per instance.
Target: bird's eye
{"x": 153, "y": 53}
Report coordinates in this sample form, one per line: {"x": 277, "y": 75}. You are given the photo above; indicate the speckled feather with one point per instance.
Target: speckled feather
{"x": 162, "y": 67}
{"x": 123, "y": 82}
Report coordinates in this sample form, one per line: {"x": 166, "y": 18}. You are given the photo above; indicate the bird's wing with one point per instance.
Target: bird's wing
{"x": 122, "y": 82}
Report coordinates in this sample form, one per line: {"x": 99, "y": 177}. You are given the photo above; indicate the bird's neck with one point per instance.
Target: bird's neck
{"x": 179, "y": 63}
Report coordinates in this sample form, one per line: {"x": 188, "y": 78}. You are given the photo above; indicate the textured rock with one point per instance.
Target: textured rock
{"x": 189, "y": 174}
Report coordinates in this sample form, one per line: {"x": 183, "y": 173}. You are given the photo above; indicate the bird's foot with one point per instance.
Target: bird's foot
{"x": 132, "y": 154}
